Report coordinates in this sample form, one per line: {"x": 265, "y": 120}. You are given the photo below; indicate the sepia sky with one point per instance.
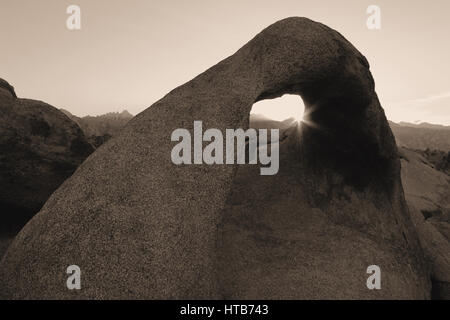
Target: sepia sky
{"x": 130, "y": 53}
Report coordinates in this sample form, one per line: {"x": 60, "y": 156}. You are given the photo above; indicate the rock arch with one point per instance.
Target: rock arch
{"x": 140, "y": 227}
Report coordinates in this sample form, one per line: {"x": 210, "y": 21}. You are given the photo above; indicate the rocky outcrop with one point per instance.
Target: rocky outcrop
{"x": 39, "y": 148}
{"x": 427, "y": 192}
{"x": 7, "y": 89}
{"x": 139, "y": 226}
{"x": 439, "y": 159}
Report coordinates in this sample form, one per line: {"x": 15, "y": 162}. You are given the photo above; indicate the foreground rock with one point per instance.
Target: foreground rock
{"x": 39, "y": 148}
{"x": 140, "y": 227}
{"x": 427, "y": 191}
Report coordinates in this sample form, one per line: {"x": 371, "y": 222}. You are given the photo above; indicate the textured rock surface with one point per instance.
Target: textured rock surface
{"x": 39, "y": 148}
{"x": 140, "y": 227}
{"x": 427, "y": 192}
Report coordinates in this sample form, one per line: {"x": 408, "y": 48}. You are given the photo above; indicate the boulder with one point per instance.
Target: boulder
{"x": 39, "y": 148}
{"x": 139, "y": 226}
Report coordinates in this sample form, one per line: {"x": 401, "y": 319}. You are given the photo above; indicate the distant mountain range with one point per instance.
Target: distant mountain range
{"x": 421, "y": 136}
{"x": 424, "y": 125}
{"x": 98, "y": 129}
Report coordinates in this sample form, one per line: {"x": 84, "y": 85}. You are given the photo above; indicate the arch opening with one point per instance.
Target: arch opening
{"x": 288, "y": 106}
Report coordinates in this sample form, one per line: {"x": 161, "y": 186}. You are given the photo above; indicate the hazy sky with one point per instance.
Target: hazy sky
{"x": 130, "y": 53}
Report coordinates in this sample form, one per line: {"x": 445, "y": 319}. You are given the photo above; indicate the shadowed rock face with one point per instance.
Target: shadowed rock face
{"x": 39, "y": 148}
{"x": 141, "y": 227}
{"x": 427, "y": 193}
